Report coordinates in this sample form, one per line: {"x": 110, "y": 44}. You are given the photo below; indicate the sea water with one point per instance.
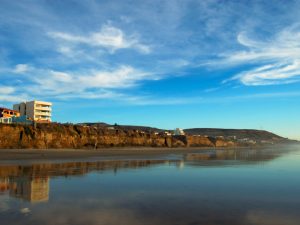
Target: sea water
{"x": 234, "y": 186}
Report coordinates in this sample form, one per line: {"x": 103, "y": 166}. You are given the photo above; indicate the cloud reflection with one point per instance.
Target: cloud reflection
{"x": 272, "y": 218}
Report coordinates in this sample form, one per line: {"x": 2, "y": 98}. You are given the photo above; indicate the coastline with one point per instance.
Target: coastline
{"x": 72, "y": 154}
{"x": 10, "y": 155}
{"x": 101, "y": 139}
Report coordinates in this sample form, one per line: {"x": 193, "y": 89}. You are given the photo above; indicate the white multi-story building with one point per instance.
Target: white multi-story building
{"x": 36, "y": 110}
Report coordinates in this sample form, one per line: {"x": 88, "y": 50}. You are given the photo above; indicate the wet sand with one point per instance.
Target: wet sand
{"x": 53, "y": 154}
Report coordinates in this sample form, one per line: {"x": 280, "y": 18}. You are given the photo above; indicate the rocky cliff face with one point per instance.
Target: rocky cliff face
{"x": 45, "y": 136}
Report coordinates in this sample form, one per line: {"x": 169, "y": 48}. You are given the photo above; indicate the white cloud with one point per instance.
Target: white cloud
{"x": 279, "y": 58}
{"x": 65, "y": 50}
{"x": 60, "y": 76}
{"x": 108, "y": 37}
{"x": 269, "y": 74}
{"x": 66, "y": 82}
{"x": 125, "y": 76}
{"x": 85, "y": 84}
{"x": 13, "y": 98}
{"x": 21, "y": 68}
{"x": 6, "y": 90}
{"x": 113, "y": 85}
{"x": 99, "y": 94}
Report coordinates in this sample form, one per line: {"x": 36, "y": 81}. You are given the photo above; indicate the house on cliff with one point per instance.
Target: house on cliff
{"x": 179, "y": 131}
{"x": 6, "y": 115}
{"x": 37, "y": 111}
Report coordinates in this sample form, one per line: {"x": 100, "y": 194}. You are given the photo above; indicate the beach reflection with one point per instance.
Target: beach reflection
{"x": 232, "y": 187}
{"x": 31, "y": 182}
{"x": 33, "y": 189}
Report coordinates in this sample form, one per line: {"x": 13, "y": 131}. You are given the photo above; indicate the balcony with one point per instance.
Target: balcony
{"x": 46, "y": 108}
{"x": 39, "y": 117}
{"x": 40, "y": 113}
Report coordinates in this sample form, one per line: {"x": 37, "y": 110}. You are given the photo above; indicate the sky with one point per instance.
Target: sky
{"x": 160, "y": 63}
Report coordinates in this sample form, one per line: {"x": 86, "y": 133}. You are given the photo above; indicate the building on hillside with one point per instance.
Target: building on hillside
{"x": 21, "y": 120}
{"x": 166, "y": 133}
{"x": 8, "y": 113}
{"x": 6, "y": 120}
{"x": 16, "y": 120}
{"x": 179, "y": 131}
{"x": 38, "y": 111}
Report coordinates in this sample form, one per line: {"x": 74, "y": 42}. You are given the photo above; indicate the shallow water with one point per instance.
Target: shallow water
{"x": 255, "y": 187}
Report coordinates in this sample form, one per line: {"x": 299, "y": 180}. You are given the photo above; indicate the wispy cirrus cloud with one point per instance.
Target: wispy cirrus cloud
{"x": 278, "y": 58}
{"x": 123, "y": 76}
{"x": 114, "y": 84}
{"x": 109, "y": 37}
{"x": 89, "y": 84}
{"x": 278, "y": 73}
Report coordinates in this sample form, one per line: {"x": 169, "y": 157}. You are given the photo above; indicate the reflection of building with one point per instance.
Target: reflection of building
{"x": 31, "y": 182}
{"x": 30, "y": 189}
{"x": 4, "y": 184}
{"x": 180, "y": 164}
{"x": 36, "y": 110}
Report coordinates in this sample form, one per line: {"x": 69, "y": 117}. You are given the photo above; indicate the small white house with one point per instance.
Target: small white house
{"x": 179, "y": 131}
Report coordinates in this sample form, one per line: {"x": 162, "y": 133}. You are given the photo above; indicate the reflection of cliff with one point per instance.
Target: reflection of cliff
{"x": 28, "y": 188}
{"x": 31, "y": 182}
{"x": 74, "y": 168}
{"x": 36, "y": 171}
{"x": 232, "y": 156}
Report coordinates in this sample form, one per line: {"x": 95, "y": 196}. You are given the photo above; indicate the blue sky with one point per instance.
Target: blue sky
{"x": 172, "y": 63}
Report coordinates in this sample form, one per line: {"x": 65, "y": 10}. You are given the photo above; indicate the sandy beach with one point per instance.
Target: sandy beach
{"x": 53, "y": 154}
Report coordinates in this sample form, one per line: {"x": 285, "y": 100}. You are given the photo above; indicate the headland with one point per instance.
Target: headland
{"x": 102, "y": 136}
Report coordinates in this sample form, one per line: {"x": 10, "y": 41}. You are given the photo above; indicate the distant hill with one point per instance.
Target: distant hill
{"x": 257, "y": 135}
{"x": 98, "y": 124}
{"x": 124, "y": 127}
{"x": 142, "y": 128}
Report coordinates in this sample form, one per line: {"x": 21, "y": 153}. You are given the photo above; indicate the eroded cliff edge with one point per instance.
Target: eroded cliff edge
{"x": 59, "y": 136}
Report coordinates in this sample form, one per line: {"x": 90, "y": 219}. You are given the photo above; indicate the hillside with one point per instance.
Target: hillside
{"x": 94, "y": 135}
{"x": 238, "y": 134}
{"x": 257, "y": 135}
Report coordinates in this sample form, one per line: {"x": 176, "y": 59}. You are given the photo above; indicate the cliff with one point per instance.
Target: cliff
{"x": 57, "y": 136}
